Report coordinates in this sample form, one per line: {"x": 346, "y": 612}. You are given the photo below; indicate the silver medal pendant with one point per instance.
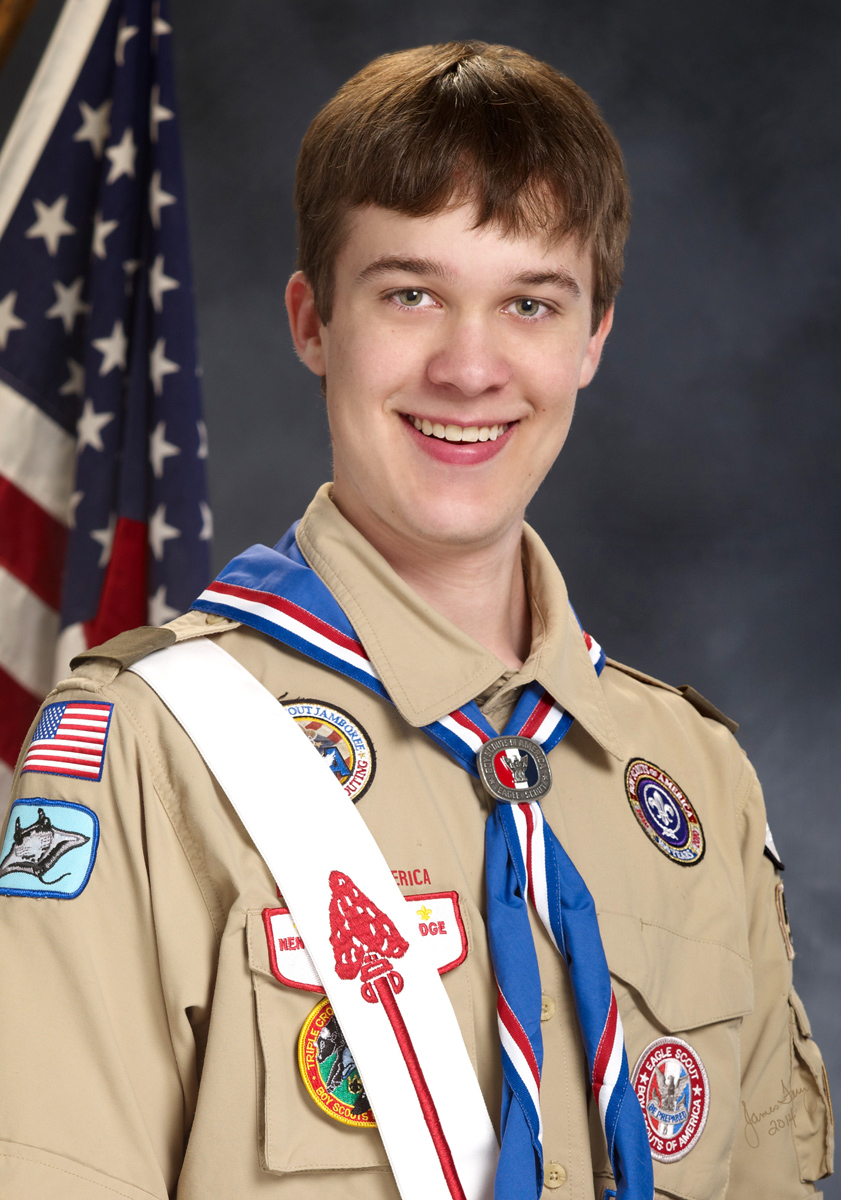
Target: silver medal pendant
{"x": 514, "y": 769}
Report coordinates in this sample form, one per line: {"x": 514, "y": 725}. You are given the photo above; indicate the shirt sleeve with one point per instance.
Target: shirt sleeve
{"x": 98, "y": 1072}
{"x": 784, "y": 1138}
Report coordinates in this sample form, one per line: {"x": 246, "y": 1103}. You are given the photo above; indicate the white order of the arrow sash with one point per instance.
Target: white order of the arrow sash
{"x": 389, "y": 1000}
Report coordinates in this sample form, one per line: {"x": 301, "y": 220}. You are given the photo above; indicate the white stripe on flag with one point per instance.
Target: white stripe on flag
{"x": 6, "y": 775}
{"x": 614, "y": 1064}
{"x": 71, "y": 641}
{"x": 522, "y": 1068}
{"x": 51, "y": 86}
{"x": 27, "y": 635}
{"x": 275, "y": 617}
{"x": 36, "y": 454}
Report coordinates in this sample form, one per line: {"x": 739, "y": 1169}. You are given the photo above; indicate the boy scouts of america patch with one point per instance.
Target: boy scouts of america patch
{"x": 672, "y": 1087}
{"x": 664, "y": 813}
{"x": 329, "y": 1072}
{"x": 339, "y": 739}
{"x": 49, "y": 849}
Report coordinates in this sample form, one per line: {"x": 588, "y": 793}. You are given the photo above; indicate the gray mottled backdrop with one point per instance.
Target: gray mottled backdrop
{"x": 695, "y": 511}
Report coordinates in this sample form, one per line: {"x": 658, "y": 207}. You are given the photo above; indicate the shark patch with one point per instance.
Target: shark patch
{"x": 49, "y": 849}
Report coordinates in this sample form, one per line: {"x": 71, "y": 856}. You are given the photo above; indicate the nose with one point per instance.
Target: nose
{"x": 468, "y": 359}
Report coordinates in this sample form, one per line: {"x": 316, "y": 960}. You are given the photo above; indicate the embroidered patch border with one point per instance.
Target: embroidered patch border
{"x": 650, "y": 789}
{"x": 70, "y": 740}
{"x": 691, "y": 1119}
{"x": 341, "y": 739}
{"x": 39, "y": 840}
{"x": 328, "y": 1070}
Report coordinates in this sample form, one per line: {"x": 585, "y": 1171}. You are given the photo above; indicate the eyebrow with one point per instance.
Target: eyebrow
{"x": 559, "y": 278}
{"x": 411, "y": 266}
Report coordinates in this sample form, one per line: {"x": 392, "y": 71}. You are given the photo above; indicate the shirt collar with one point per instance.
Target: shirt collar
{"x": 428, "y": 666}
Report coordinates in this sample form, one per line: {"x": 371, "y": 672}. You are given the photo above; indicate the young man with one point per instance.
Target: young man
{"x": 462, "y": 212}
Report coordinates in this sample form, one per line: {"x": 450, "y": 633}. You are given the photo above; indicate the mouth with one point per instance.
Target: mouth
{"x": 457, "y": 433}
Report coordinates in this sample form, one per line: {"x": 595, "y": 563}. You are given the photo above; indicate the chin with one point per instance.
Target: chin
{"x": 446, "y": 523}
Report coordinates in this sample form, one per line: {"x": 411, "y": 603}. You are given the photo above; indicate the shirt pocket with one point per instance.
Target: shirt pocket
{"x": 814, "y": 1130}
{"x": 693, "y": 992}
{"x": 296, "y": 1136}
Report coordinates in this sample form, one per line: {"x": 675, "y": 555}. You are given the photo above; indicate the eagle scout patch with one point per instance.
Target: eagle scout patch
{"x": 70, "y": 740}
{"x": 439, "y": 923}
{"x": 329, "y": 1072}
{"x": 664, "y": 812}
{"x": 341, "y": 740}
{"x": 672, "y": 1087}
{"x": 49, "y": 849}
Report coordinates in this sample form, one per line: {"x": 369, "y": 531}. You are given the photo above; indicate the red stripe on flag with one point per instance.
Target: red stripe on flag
{"x": 122, "y": 602}
{"x": 518, "y": 1034}
{"x": 32, "y": 544}
{"x": 19, "y": 708}
{"x": 605, "y": 1048}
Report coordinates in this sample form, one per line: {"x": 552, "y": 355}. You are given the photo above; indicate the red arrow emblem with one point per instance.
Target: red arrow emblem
{"x": 364, "y": 941}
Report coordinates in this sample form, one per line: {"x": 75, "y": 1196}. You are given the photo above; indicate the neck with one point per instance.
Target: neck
{"x": 482, "y": 589}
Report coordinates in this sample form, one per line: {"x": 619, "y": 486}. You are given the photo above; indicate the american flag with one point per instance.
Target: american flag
{"x": 104, "y": 522}
{"x": 69, "y": 739}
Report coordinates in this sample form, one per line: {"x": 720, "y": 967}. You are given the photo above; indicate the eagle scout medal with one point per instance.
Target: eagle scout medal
{"x": 329, "y": 1072}
{"x": 341, "y": 740}
{"x": 514, "y": 769}
{"x": 672, "y": 1087}
{"x": 664, "y": 813}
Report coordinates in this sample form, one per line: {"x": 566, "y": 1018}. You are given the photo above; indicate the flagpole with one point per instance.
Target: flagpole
{"x": 13, "y": 16}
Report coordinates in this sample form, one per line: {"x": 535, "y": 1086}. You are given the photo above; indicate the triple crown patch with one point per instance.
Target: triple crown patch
{"x": 664, "y": 812}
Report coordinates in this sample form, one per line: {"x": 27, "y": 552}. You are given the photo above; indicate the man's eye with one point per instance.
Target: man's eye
{"x": 410, "y": 297}
{"x": 527, "y": 307}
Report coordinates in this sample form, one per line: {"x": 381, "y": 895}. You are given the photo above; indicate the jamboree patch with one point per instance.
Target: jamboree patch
{"x": 664, "y": 813}
{"x": 329, "y": 1072}
{"x": 49, "y": 849}
{"x": 671, "y": 1085}
{"x": 340, "y": 740}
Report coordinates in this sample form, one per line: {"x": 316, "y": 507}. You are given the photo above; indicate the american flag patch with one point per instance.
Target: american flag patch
{"x": 70, "y": 740}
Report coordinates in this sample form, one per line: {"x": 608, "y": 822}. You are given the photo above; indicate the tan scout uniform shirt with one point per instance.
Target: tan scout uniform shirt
{"x": 146, "y": 1050}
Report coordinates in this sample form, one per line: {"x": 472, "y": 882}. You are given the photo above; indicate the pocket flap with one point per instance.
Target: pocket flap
{"x": 685, "y": 982}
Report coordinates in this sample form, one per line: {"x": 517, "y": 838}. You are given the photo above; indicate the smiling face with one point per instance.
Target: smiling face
{"x": 453, "y": 356}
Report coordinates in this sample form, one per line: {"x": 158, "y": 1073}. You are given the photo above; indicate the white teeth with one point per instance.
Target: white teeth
{"x": 458, "y": 433}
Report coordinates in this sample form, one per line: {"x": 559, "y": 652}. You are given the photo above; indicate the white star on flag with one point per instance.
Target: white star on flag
{"x": 72, "y": 504}
{"x": 101, "y": 230}
{"x": 8, "y": 320}
{"x": 206, "y": 521}
{"x": 202, "y": 450}
{"x": 124, "y": 35}
{"x": 158, "y": 199}
{"x": 95, "y": 127}
{"x": 68, "y": 303}
{"x": 75, "y": 385}
{"x": 105, "y": 537}
{"x": 160, "y": 449}
{"x": 122, "y": 157}
{"x": 159, "y": 611}
{"x": 113, "y": 349}
{"x": 159, "y": 532}
{"x": 160, "y": 283}
{"x": 159, "y": 25}
{"x": 157, "y": 112}
{"x": 89, "y": 427}
{"x": 51, "y": 225}
{"x": 160, "y": 366}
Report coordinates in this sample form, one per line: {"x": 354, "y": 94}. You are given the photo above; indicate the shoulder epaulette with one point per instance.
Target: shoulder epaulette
{"x": 128, "y": 648}
{"x": 699, "y": 702}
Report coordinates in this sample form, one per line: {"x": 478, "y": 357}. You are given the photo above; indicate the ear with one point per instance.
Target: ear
{"x": 593, "y": 353}
{"x": 305, "y": 323}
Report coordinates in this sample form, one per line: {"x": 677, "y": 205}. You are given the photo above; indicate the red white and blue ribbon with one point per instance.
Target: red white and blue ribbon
{"x": 278, "y": 593}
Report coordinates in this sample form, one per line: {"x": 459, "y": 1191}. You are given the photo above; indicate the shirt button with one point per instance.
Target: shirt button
{"x": 554, "y": 1175}
{"x": 547, "y": 1008}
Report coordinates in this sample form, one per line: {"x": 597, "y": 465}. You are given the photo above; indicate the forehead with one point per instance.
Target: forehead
{"x": 460, "y": 251}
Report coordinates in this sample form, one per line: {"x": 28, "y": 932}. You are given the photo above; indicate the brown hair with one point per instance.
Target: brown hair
{"x": 420, "y": 129}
